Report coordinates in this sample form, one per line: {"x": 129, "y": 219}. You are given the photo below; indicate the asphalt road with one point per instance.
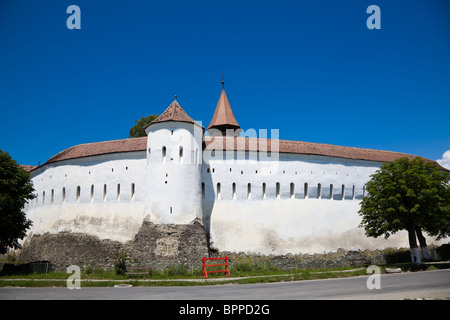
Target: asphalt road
{"x": 430, "y": 284}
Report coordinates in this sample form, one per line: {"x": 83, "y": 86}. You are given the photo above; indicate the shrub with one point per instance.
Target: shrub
{"x": 120, "y": 263}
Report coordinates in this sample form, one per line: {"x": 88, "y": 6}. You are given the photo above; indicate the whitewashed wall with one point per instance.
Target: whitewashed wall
{"x": 284, "y": 219}
{"x": 240, "y": 218}
{"x": 66, "y": 201}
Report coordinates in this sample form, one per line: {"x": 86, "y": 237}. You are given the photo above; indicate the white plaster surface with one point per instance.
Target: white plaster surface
{"x": 285, "y": 203}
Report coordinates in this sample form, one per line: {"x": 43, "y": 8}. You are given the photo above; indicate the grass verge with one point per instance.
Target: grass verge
{"x": 180, "y": 276}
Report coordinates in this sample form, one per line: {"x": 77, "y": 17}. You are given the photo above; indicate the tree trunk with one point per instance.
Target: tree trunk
{"x": 423, "y": 244}
{"x": 415, "y": 254}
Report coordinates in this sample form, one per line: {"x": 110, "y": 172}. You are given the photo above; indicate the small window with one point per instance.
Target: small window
{"x": 78, "y": 193}
{"x": 218, "y": 191}
{"x": 181, "y": 154}
{"x": 63, "y": 200}
{"x": 292, "y": 189}
{"x": 249, "y": 191}
{"x": 353, "y": 192}
{"x": 278, "y": 190}
{"x": 92, "y": 193}
{"x": 234, "y": 191}
{"x": 319, "y": 191}
{"x": 164, "y": 154}
{"x": 331, "y": 191}
{"x": 305, "y": 192}
{"x": 343, "y": 192}
{"x": 264, "y": 190}
{"x": 149, "y": 157}
{"x": 133, "y": 189}
{"x": 52, "y": 197}
{"x": 118, "y": 192}
{"x": 43, "y": 197}
{"x": 104, "y": 192}
{"x": 203, "y": 190}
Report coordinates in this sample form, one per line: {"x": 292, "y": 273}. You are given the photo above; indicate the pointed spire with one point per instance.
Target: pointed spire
{"x": 223, "y": 118}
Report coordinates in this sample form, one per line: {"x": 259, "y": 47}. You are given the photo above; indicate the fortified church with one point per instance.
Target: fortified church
{"x": 184, "y": 186}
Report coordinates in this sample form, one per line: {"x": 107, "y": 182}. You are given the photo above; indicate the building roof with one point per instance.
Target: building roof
{"x": 223, "y": 117}
{"x": 174, "y": 112}
{"x": 27, "y": 168}
{"x": 100, "y": 148}
{"x": 237, "y": 143}
{"x": 302, "y": 147}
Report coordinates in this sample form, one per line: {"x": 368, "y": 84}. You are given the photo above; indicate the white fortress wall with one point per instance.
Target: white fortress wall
{"x": 301, "y": 203}
{"x": 99, "y": 195}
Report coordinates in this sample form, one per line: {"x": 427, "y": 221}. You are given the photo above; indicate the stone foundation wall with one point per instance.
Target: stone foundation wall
{"x": 157, "y": 246}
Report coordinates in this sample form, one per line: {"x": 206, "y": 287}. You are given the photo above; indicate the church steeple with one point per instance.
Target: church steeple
{"x": 223, "y": 118}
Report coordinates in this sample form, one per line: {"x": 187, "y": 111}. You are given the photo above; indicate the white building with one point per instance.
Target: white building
{"x": 257, "y": 195}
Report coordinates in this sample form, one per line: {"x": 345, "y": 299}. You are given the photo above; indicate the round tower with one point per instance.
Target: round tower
{"x": 174, "y": 157}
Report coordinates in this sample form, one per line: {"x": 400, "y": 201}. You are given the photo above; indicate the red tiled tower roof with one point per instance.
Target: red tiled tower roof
{"x": 223, "y": 118}
{"x": 174, "y": 112}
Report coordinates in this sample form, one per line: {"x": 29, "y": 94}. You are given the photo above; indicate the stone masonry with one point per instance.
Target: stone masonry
{"x": 156, "y": 246}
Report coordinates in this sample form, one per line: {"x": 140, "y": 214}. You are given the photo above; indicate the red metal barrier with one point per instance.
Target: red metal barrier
{"x": 204, "y": 265}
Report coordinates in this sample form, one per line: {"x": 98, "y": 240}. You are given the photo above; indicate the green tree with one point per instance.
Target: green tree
{"x": 16, "y": 189}
{"x": 411, "y": 195}
{"x": 138, "y": 129}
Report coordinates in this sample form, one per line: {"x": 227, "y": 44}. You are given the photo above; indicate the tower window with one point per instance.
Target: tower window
{"x": 203, "y": 190}
{"x": 118, "y": 191}
{"x": 292, "y": 188}
{"x": 278, "y": 190}
{"x": 52, "y": 196}
{"x": 149, "y": 157}
{"x": 249, "y": 191}
{"x": 104, "y": 192}
{"x": 218, "y": 191}
{"x": 164, "y": 154}
{"x": 63, "y": 195}
{"x": 319, "y": 191}
{"x": 78, "y": 193}
{"x": 181, "y": 155}
{"x": 234, "y": 191}
{"x": 331, "y": 191}
{"x": 92, "y": 193}
{"x": 132, "y": 191}
{"x": 264, "y": 190}
{"x": 305, "y": 192}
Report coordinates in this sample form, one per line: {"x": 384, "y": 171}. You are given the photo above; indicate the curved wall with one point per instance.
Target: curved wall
{"x": 248, "y": 201}
{"x": 174, "y": 172}
{"x": 99, "y": 195}
{"x": 299, "y": 204}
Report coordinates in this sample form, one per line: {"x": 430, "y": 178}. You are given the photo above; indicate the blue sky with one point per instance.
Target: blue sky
{"x": 311, "y": 69}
